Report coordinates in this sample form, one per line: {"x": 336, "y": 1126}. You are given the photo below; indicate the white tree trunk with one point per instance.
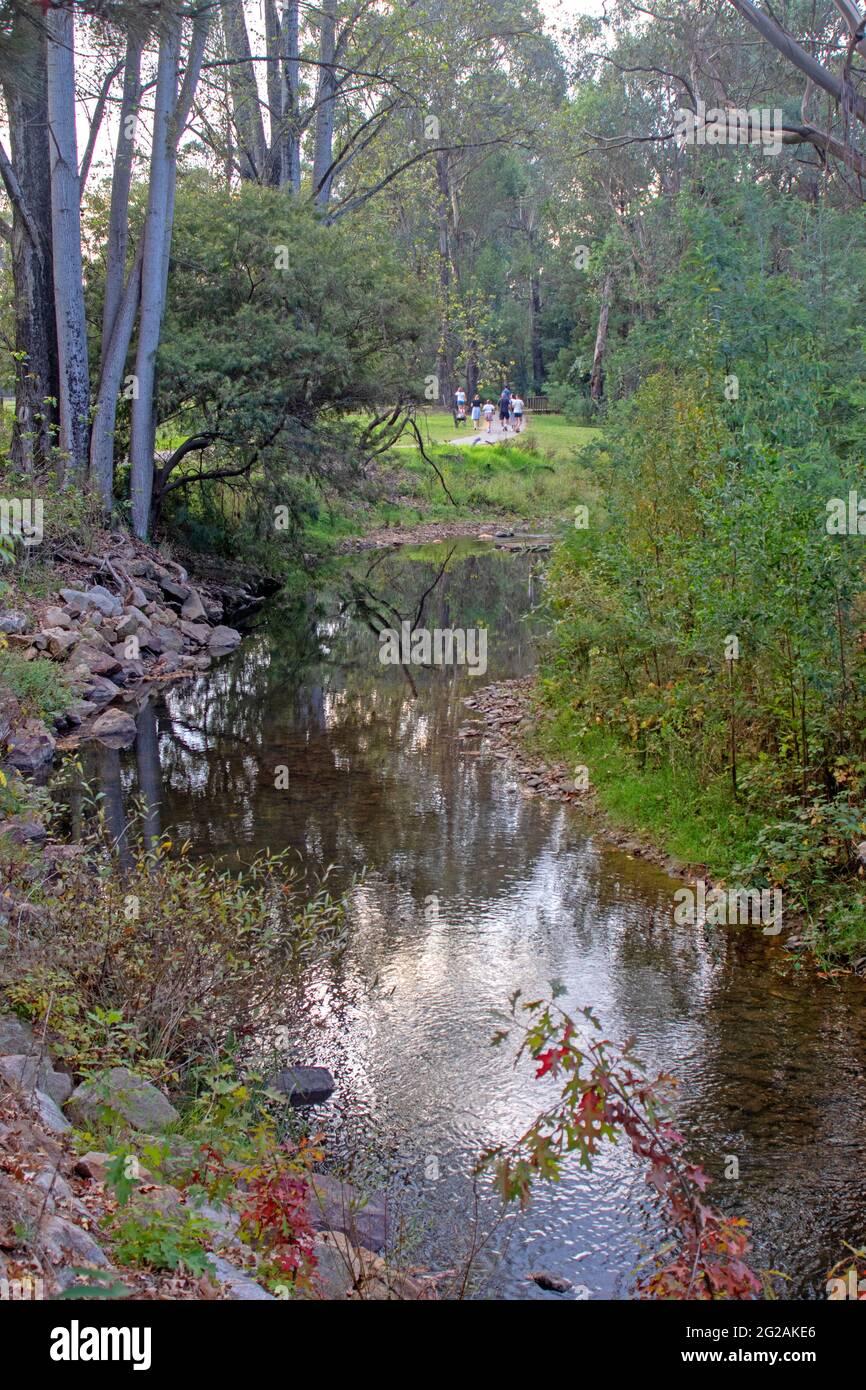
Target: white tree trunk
{"x": 118, "y": 226}
{"x": 290, "y": 164}
{"x": 66, "y": 243}
{"x": 325, "y": 101}
{"x": 163, "y": 156}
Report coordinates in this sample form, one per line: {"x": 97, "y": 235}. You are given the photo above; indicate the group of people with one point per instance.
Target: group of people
{"x": 510, "y": 409}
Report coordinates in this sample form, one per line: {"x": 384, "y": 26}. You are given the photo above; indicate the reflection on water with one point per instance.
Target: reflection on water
{"x": 476, "y": 887}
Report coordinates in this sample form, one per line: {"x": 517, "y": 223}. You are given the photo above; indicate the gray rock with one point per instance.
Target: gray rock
{"x": 224, "y": 639}
{"x": 101, "y": 691}
{"x": 241, "y": 1286}
{"x": 193, "y": 609}
{"x": 196, "y": 632}
{"x": 303, "y": 1085}
{"x": 99, "y": 662}
{"x": 16, "y": 1036}
{"x": 66, "y": 1243}
{"x": 129, "y": 624}
{"x": 13, "y": 622}
{"x": 49, "y": 1180}
{"x": 79, "y": 711}
{"x": 338, "y": 1206}
{"x": 170, "y": 586}
{"x": 30, "y": 746}
{"x": 51, "y": 1117}
{"x": 139, "y": 1103}
{"x": 171, "y": 639}
{"x": 33, "y": 1073}
{"x": 57, "y": 617}
{"x": 114, "y": 727}
{"x": 168, "y": 664}
{"x": 60, "y": 641}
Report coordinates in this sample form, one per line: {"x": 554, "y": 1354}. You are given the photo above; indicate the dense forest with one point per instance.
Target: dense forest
{"x": 257, "y": 259}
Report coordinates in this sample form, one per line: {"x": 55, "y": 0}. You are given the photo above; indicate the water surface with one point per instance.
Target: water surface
{"x": 476, "y": 887}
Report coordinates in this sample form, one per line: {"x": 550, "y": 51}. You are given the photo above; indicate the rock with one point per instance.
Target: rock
{"x": 148, "y": 641}
{"x": 553, "y": 1283}
{"x": 142, "y": 569}
{"x": 303, "y": 1085}
{"x": 57, "y": 617}
{"x": 94, "y": 1166}
{"x": 170, "y": 638}
{"x": 224, "y": 1221}
{"x": 193, "y": 609}
{"x": 51, "y": 1117}
{"x": 167, "y": 617}
{"x": 241, "y": 1286}
{"x": 98, "y": 662}
{"x": 16, "y": 1036}
{"x": 168, "y": 664}
{"x": 30, "y": 746}
{"x": 60, "y": 641}
{"x": 33, "y": 1073}
{"x": 170, "y": 586}
{"x": 13, "y": 622}
{"x": 80, "y": 710}
{"x": 203, "y": 663}
{"x": 107, "y": 603}
{"x": 223, "y": 639}
{"x": 196, "y": 632}
{"x": 338, "y": 1206}
{"x": 139, "y": 1103}
{"x": 115, "y": 728}
{"x": 54, "y": 1185}
{"x": 24, "y": 830}
{"x": 66, "y": 1243}
{"x": 130, "y": 624}
{"x": 101, "y": 691}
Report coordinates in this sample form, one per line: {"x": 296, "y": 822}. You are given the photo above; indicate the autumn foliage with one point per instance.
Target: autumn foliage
{"x": 604, "y": 1095}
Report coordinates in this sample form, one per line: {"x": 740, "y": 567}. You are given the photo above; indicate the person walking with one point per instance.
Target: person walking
{"x": 517, "y": 408}
{"x": 505, "y": 407}
{"x": 475, "y": 410}
{"x": 489, "y": 411}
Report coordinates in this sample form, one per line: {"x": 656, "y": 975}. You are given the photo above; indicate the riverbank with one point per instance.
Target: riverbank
{"x": 631, "y": 809}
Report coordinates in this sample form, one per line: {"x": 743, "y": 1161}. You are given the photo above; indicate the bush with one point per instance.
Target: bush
{"x": 161, "y": 958}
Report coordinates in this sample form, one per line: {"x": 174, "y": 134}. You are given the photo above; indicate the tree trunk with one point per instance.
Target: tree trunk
{"x": 444, "y": 357}
{"x": 596, "y": 380}
{"x": 66, "y": 244}
{"x": 118, "y": 226}
{"x": 249, "y": 126}
{"x": 290, "y": 163}
{"x": 155, "y": 235}
{"x": 325, "y": 99}
{"x": 25, "y": 92}
{"x": 273, "y": 47}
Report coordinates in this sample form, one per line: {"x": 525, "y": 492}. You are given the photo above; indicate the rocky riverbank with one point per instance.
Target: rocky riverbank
{"x": 119, "y": 623}
{"x": 59, "y": 1204}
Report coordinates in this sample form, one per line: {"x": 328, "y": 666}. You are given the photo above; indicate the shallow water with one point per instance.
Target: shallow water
{"x": 475, "y": 887}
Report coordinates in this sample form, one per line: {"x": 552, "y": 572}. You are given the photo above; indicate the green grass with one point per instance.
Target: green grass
{"x": 547, "y": 432}
{"x": 699, "y": 825}
{"x": 38, "y": 685}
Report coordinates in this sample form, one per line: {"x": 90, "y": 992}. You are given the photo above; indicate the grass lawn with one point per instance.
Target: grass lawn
{"x": 549, "y": 432}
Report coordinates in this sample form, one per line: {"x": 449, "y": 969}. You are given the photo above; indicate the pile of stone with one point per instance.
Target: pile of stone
{"x": 152, "y": 624}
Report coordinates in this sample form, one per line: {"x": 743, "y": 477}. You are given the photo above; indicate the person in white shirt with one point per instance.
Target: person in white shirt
{"x": 517, "y": 407}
